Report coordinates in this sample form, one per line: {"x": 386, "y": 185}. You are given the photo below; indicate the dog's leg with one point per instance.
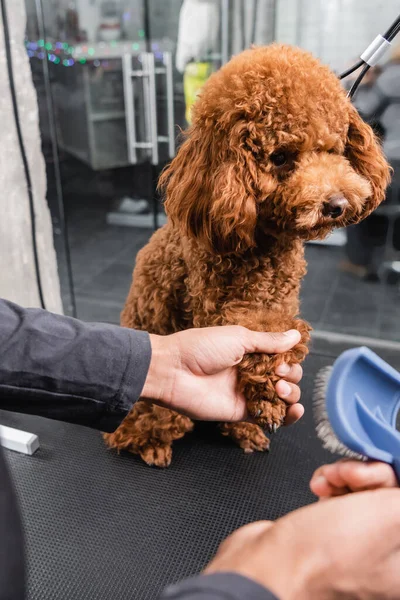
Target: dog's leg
{"x": 249, "y": 436}
{"x": 153, "y": 305}
{"x": 257, "y": 378}
{"x": 149, "y": 431}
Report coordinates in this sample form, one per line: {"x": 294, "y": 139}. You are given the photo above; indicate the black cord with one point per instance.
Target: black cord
{"x": 358, "y": 81}
{"x": 394, "y": 33}
{"x": 388, "y": 35}
{"x": 22, "y": 148}
{"x": 352, "y": 69}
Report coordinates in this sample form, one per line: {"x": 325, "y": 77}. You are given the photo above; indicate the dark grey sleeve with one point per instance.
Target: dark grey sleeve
{"x": 62, "y": 368}
{"x": 220, "y": 586}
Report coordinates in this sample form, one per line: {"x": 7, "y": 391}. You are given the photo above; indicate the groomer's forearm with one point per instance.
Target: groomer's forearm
{"x": 65, "y": 369}
{"x": 219, "y": 586}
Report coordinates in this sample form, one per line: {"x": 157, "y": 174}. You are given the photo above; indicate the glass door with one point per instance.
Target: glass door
{"x": 110, "y": 103}
{"x": 116, "y": 80}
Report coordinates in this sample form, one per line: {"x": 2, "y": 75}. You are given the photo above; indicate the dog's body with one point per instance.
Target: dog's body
{"x": 276, "y": 155}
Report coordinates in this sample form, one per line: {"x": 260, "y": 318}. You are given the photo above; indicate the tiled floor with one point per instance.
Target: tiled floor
{"x": 338, "y": 302}
{"x": 103, "y": 257}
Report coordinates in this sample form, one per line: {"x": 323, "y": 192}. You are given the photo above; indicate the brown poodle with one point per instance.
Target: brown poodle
{"x": 276, "y": 155}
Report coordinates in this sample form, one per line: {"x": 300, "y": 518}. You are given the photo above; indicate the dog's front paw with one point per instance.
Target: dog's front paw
{"x": 269, "y": 415}
{"x": 157, "y": 456}
{"x": 257, "y": 381}
{"x": 248, "y": 436}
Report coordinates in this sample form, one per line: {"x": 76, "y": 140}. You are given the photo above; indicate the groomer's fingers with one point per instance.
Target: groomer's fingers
{"x": 292, "y": 373}
{"x": 321, "y": 487}
{"x": 294, "y": 413}
{"x": 367, "y": 475}
{"x": 351, "y": 476}
{"x": 289, "y": 392}
{"x": 270, "y": 343}
{"x": 327, "y": 481}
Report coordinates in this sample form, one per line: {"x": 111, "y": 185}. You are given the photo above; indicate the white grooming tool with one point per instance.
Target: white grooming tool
{"x": 19, "y": 441}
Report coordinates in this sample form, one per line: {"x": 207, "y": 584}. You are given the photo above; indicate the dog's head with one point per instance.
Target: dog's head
{"x": 275, "y": 149}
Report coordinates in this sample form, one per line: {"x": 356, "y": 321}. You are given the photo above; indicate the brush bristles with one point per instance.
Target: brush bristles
{"x": 323, "y": 426}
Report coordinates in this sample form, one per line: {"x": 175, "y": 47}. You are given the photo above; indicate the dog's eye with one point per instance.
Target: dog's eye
{"x": 279, "y": 158}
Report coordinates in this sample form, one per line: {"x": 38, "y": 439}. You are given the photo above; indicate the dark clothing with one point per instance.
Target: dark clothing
{"x": 61, "y": 368}
{"x": 90, "y": 374}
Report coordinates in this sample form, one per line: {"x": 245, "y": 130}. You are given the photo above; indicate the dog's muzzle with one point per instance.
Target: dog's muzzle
{"x": 335, "y": 206}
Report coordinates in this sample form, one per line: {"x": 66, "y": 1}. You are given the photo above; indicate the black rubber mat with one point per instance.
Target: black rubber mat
{"x": 106, "y": 527}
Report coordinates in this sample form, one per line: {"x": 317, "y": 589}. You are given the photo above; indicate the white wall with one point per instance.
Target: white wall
{"x": 264, "y": 27}
{"x": 17, "y": 271}
{"x": 337, "y": 31}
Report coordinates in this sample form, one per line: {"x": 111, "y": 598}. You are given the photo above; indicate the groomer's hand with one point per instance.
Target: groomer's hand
{"x": 194, "y": 371}
{"x": 345, "y": 547}
{"x": 346, "y": 476}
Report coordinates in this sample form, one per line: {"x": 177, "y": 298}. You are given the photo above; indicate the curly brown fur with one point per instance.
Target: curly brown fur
{"x": 248, "y": 436}
{"x": 149, "y": 430}
{"x": 273, "y": 140}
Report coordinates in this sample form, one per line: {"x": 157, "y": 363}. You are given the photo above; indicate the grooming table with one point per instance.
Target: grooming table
{"x": 105, "y": 527}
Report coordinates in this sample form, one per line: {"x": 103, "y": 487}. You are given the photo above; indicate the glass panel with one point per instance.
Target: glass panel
{"x": 42, "y": 85}
{"x": 106, "y": 136}
{"x": 112, "y": 99}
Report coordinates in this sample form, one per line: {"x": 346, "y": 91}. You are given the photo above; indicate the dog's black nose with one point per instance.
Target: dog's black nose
{"x": 335, "y": 206}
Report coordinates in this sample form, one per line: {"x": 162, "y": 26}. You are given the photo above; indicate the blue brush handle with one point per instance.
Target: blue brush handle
{"x": 396, "y": 467}
{"x": 362, "y": 402}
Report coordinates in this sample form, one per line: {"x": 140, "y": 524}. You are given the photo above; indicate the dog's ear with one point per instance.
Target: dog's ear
{"x": 210, "y": 192}
{"x": 365, "y": 154}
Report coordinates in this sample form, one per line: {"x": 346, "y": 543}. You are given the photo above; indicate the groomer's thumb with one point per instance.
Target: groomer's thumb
{"x": 271, "y": 343}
